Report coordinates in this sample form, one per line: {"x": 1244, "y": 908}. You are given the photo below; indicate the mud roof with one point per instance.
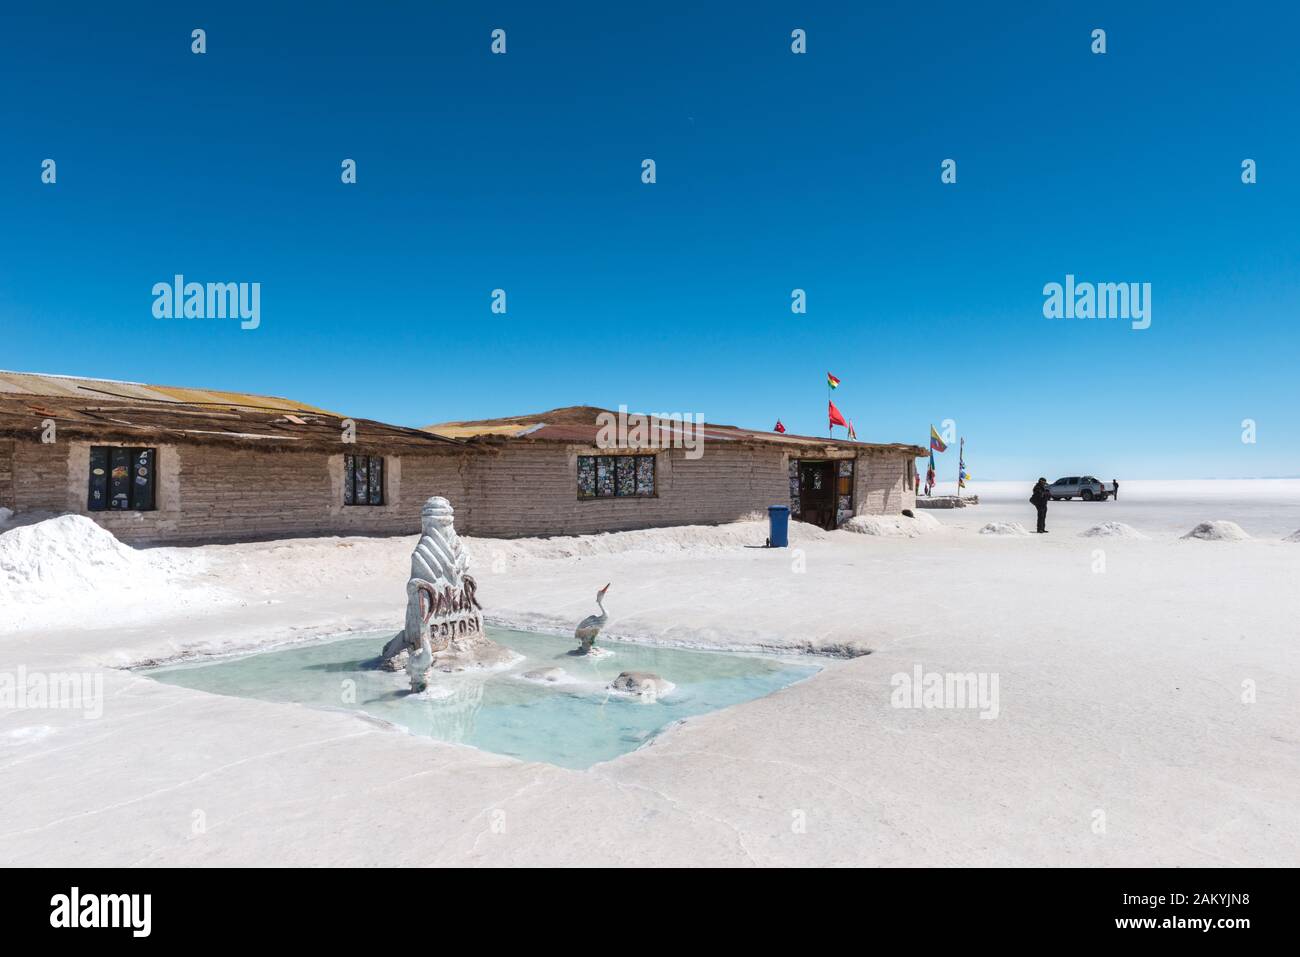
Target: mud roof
{"x": 113, "y": 390}
{"x": 579, "y": 424}
{"x": 148, "y": 423}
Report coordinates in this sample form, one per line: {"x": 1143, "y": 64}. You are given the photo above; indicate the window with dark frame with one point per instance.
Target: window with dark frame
{"x": 844, "y": 491}
{"x": 363, "y": 480}
{"x": 122, "y": 479}
{"x": 616, "y": 476}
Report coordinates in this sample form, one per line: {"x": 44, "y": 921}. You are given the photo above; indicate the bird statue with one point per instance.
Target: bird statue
{"x": 590, "y": 626}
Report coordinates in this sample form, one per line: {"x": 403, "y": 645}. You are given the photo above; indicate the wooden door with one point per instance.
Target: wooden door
{"x": 817, "y": 494}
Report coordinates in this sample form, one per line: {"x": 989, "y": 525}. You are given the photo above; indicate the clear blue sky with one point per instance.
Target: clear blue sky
{"x": 775, "y": 171}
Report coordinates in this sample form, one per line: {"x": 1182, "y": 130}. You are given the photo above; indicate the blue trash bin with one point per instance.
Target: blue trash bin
{"x": 778, "y": 526}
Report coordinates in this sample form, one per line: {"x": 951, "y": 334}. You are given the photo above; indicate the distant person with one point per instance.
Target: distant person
{"x": 1115, "y": 494}
{"x": 1039, "y": 498}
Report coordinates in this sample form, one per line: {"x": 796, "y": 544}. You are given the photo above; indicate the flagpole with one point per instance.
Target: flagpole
{"x": 961, "y": 454}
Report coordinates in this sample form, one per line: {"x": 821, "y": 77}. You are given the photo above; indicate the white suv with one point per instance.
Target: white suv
{"x": 1079, "y": 486}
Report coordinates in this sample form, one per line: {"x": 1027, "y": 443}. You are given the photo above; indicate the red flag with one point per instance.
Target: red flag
{"x": 836, "y": 418}
{"x": 778, "y": 427}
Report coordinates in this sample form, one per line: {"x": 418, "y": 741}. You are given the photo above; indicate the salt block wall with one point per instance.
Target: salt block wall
{"x": 533, "y": 490}
{"x": 6, "y": 473}
{"x": 40, "y": 477}
{"x": 881, "y": 484}
{"x": 207, "y": 493}
{"x": 424, "y": 476}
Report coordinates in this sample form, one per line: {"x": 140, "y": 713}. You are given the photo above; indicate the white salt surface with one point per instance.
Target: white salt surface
{"x": 1120, "y": 690}
{"x": 1265, "y": 508}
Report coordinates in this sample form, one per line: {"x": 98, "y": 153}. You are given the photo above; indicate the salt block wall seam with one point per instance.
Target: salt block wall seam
{"x": 7, "y": 474}
{"x": 40, "y": 481}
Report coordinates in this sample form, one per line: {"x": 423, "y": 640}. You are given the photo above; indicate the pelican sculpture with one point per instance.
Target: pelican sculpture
{"x": 590, "y": 626}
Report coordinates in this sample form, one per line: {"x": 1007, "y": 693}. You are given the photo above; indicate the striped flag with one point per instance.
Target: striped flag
{"x": 936, "y": 443}
{"x": 832, "y": 382}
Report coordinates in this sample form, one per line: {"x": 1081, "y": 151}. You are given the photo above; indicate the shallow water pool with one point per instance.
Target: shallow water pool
{"x": 573, "y": 723}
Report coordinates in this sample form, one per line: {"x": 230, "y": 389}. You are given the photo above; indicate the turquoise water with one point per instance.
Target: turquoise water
{"x": 573, "y": 724}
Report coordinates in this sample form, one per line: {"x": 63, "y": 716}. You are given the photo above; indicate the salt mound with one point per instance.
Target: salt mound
{"x": 67, "y": 557}
{"x": 1004, "y": 528}
{"x": 1218, "y": 532}
{"x": 63, "y": 551}
{"x": 1112, "y": 530}
{"x": 893, "y": 526}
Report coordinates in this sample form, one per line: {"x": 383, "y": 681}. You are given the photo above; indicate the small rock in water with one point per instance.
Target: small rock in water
{"x": 644, "y": 683}
{"x": 593, "y": 653}
{"x": 546, "y": 674}
{"x": 473, "y": 653}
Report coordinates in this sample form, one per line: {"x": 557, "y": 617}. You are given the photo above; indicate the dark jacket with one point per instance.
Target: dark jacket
{"x": 1040, "y": 496}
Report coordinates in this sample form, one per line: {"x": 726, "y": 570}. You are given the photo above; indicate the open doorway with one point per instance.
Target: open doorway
{"x": 817, "y": 494}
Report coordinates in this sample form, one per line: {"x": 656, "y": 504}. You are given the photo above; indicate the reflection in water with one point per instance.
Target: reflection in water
{"x": 454, "y": 717}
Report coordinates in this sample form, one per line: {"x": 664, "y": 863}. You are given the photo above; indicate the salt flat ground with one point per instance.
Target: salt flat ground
{"x": 1147, "y": 714}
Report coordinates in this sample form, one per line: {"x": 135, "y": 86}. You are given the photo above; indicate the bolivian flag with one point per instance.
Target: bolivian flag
{"x": 831, "y": 381}
{"x": 936, "y": 443}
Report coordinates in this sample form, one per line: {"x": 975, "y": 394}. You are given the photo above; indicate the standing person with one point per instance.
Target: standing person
{"x": 1039, "y": 498}
{"x": 1115, "y": 494}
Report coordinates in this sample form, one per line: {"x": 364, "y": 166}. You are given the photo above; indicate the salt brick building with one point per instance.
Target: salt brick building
{"x": 166, "y": 465}
{"x": 551, "y": 474}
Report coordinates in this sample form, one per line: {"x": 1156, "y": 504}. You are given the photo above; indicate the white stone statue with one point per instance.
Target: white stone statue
{"x": 590, "y": 626}
{"x": 444, "y": 621}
